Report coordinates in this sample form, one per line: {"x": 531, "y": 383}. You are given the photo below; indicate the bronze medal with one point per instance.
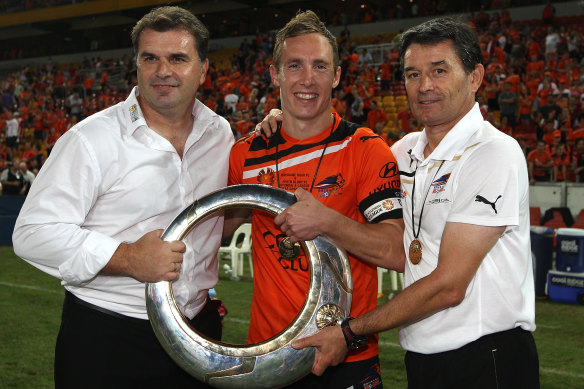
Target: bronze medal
{"x": 288, "y": 250}
{"x": 415, "y": 251}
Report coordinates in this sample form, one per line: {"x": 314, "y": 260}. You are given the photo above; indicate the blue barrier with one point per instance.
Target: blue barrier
{"x": 9, "y": 210}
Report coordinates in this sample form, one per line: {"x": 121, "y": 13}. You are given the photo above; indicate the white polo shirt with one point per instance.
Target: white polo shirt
{"x": 476, "y": 175}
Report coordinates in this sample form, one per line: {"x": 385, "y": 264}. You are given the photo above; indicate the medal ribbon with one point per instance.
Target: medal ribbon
{"x": 416, "y": 234}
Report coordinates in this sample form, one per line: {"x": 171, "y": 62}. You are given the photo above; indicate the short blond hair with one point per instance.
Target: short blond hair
{"x": 304, "y": 23}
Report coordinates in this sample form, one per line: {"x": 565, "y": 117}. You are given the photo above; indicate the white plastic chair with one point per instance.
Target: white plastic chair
{"x": 393, "y": 278}
{"x": 238, "y": 253}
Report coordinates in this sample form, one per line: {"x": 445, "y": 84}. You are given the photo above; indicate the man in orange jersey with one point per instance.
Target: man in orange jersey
{"x": 346, "y": 181}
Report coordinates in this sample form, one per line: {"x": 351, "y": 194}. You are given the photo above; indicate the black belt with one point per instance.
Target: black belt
{"x": 70, "y": 297}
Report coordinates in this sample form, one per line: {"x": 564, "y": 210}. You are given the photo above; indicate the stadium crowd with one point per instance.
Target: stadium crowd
{"x": 533, "y": 90}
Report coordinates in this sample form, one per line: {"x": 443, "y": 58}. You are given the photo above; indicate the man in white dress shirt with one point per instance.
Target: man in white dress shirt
{"x": 95, "y": 213}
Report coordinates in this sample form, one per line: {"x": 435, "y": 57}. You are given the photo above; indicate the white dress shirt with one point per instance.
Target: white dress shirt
{"x": 111, "y": 179}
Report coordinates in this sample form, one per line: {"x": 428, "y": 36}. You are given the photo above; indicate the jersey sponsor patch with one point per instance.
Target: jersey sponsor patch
{"x": 388, "y": 170}
{"x": 439, "y": 183}
{"x": 266, "y": 177}
{"x": 380, "y": 208}
{"x": 330, "y": 186}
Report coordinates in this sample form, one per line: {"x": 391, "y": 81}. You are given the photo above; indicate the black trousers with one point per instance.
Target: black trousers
{"x": 503, "y": 360}
{"x": 102, "y": 349}
{"x": 359, "y": 375}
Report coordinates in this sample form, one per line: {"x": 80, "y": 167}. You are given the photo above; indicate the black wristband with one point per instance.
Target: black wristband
{"x": 353, "y": 341}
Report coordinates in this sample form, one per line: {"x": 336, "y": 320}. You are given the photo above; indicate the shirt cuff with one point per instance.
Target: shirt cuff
{"x": 96, "y": 252}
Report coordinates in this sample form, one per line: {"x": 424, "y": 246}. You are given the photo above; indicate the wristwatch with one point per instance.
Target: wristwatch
{"x": 353, "y": 341}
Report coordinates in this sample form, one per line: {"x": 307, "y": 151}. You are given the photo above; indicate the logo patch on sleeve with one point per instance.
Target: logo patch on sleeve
{"x": 381, "y": 207}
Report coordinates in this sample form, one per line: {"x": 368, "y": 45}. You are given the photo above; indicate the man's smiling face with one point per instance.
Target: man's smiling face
{"x": 169, "y": 69}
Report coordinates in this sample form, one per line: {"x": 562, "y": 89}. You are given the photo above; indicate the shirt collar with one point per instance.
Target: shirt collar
{"x": 135, "y": 118}
{"x": 456, "y": 138}
{"x": 133, "y": 113}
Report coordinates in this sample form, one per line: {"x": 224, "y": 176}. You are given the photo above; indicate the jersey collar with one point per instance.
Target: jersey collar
{"x": 454, "y": 140}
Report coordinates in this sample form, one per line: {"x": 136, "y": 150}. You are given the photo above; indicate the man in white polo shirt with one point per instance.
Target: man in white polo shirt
{"x": 468, "y": 309}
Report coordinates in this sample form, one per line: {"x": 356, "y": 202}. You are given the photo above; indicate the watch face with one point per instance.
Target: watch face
{"x": 359, "y": 341}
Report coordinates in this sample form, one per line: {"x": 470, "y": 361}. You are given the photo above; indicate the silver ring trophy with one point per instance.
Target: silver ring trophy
{"x": 273, "y": 362}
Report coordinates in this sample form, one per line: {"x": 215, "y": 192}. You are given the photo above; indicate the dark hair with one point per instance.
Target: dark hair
{"x": 432, "y": 32}
{"x": 303, "y": 23}
{"x": 168, "y": 18}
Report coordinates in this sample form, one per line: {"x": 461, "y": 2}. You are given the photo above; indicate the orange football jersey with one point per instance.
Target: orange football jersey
{"x": 356, "y": 174}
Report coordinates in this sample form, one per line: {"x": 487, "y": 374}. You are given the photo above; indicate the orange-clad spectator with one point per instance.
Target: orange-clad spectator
{"x": 573, "y": 73}
{"x": 544, "y": 90}
{"x": 540, "y": 163}
{"x": 555, "y": 141}
{"x": 221, "y": 82}
{"x": 244, "y": 90}
{"x": 376, "y": 115}
{"x": 367, "y": 17}
{"x": 28, "y": 153}
{"x": 104, "y": 78}
{"x": 378, "y": 130}
{"x": 59, "y": 78}
{"x": 260, "y": 66}
{"x": 532, "y": 83}
{"x": 52, "y": 138}
{"x": 514, "y": 80}
{"x": 561, "y": 163}
{"x": 505, "y": 127}
{"x": 534, "y": 47}
{"x": 549, "y": 11}
{"x": 366, "y": 92}
{"x": 550, "y": 132}
{"x": 368, "y": 73}
{"x": 23, "y": 112}
{"x": 405, "y": 120}
{"x": 565, "y": 61}
{"x": 536, "y": 65}
{"x": 338, "y": 104}
{"x": 37, "y": 123}
{"x": 391, "y": 137}
{"x": 243, "y": 123}
{"x": 551, "y": 62}
{"x": 242, "y": 105}
{"x": 61, "y": 125}
{"x": 492, "y": 90}
{"x": 88, "y": 84}
{"x": 499, "y": 54}
{"x": 271, "y": 103}
{"x": 211, "y": 101}
{"x": 235, "y": 77}
{"x": 492, "y": 66}
{"x": 40, "y": 100}
{"x": 385, "y": 69}
{"x": 526, "y": 102}
{"x": 207, "y": 85}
